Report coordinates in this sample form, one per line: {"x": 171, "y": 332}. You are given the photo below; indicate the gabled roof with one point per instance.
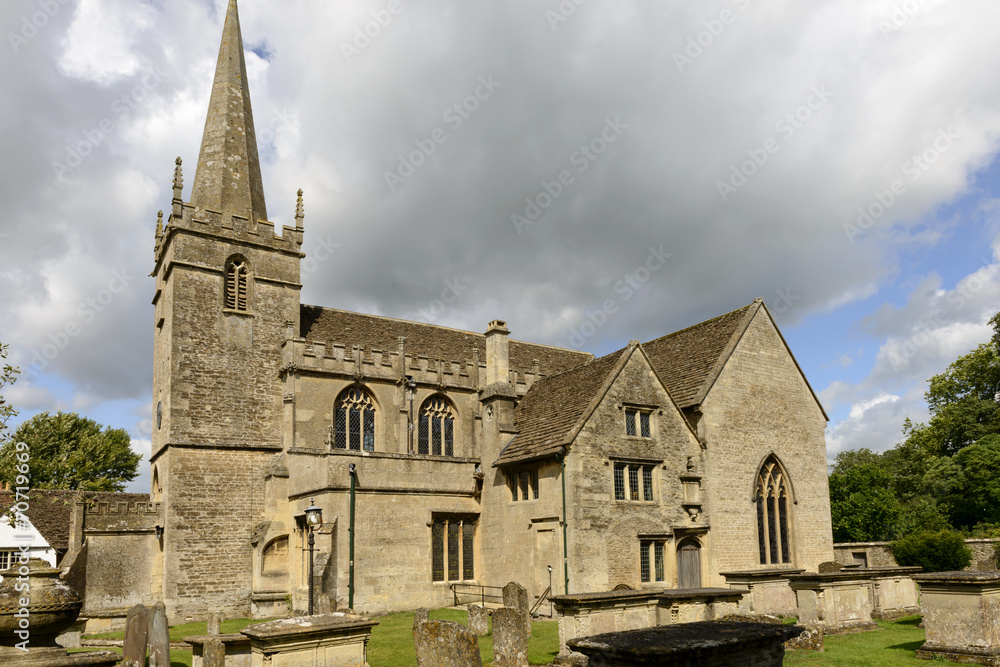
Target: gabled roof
{"x": 429, "y": 340}
{"x": 688, "y": 361}
{"x": 50, "y": 510}
{"x": 554, "y": 408}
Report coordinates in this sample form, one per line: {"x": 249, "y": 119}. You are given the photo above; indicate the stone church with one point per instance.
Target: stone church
{"x": 442, "y": 457}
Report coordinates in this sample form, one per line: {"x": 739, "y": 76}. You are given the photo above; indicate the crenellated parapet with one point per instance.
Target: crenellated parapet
{"x": 359, "y": 362}
{"x": 132, "y": 516}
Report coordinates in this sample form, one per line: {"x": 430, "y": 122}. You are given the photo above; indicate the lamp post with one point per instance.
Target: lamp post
{"x": 314, "y": 518}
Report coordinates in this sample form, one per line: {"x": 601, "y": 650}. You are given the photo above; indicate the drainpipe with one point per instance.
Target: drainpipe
{"x": 352, "y": 469}
{"x": 562, "y": 464}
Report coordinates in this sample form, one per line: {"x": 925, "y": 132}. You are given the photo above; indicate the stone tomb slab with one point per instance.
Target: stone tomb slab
{"x": 700, "y": 644}
{"x": 479, "y": 620}
{"x": 445, "y": 644}
{"x": 328, "y": 640}
{"x": 961, "y": 616}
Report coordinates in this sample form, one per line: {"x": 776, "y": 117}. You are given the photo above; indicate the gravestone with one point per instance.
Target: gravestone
{"x": 479, "y": 620}
{"x": 510, "y": 643}
{"x": 159, "y": 636}
{"x": 419, "y": 616}
{"x": 829, "y": 566}
{"x": 323, "y": 604}
{"x": 136, "y": 627}
{"x": 214, "y": 654}
{"x": 515, "y": 596}
{"x": 214, "y": 624}
{"x": 810, "y": 640}
{"x": 445, "y": 644}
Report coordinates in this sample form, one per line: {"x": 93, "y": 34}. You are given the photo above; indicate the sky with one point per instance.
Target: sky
{"x": 531, "y": 161}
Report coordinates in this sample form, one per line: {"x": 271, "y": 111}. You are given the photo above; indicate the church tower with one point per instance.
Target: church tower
{"x": 227, "y": 298}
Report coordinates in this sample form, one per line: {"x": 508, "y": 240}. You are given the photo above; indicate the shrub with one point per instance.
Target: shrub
{"x": 943, "y": 551}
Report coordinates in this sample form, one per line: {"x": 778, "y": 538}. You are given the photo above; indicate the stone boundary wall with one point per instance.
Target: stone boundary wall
{"x": 985, "y": 553}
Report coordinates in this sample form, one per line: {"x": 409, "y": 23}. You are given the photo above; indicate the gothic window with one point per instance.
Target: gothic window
{"x": 452, "y": 549}
{"x": 237, "y": 278}
{"x": 354, "y": 420}
{"x": 771, "y": 501}
{"x": 436, "y": 432}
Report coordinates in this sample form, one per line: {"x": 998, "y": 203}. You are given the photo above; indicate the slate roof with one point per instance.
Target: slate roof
{"x": 429, "y": 340}
{"x": 552, "y": 408}
{"x": 689, "y": 360}
{"x": 50, "y": 510}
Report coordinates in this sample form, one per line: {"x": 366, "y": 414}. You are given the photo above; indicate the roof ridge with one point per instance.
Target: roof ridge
{"x": 580, "y": 366}
{"x": 445, "y": 328}
{"x": 702, "y": 323}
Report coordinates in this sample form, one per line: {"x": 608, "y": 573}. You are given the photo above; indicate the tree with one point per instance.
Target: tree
{"x": 978, "y": 499}
{"x": 7, "y": 376}
{"x": 68, "y": 451}
{"x": 852, "y": 458}
{"x": 862, "y": 504}
{"x": 944, "y": 551}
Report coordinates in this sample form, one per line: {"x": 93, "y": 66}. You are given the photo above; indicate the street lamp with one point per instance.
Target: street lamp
{"x": 314, "y": 518}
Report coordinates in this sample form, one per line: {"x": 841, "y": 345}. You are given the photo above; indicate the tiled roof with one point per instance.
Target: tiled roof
{"x": 50, "y": 510}
{"x": 689, "y": 360}
{"x": 553, "y": 407}
{"x": 430, "y": 340}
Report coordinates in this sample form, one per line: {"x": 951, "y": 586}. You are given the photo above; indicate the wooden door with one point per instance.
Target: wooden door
{"x": 689, "y": 565}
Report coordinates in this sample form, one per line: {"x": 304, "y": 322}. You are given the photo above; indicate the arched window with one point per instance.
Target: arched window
{"x": 274, "y": 557}
{"x": 354, "y": 420}
{"x": 771, "y": 499}
{"x": 237, "y": 277}
{"x": 436, "y": 434}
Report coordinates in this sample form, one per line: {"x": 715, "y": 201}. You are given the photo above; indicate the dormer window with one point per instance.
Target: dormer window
{"x": 237, "y": 279}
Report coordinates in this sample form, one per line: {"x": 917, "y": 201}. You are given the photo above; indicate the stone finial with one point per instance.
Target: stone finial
{"x": 159, "y": 230}
{"x": 299, "y": 211}
{"x": 178, "y": 180}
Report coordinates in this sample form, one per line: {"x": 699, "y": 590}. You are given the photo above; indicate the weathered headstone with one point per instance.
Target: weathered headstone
{"x": 479, "y": 620}
{"x": 445, "y": 644}
{"x": 510, "y": 642}
{"x": 159, "y": 636}
{"x": 323, "y": 604}
{"x": 419, "y": 616}
{"x": 830, "y": 566}
{"x": 214, "y": 624}
{"x": 136, "y": 628}
{"x": 214, "y": 654}
{"x": 515, "y": 596}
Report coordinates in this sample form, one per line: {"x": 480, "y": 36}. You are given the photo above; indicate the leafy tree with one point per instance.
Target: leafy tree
{"x": 921, "y": 515}
{"x": 943, "y": 551}
{"x": 863, "y": 506}
{"x": 978, "y": 499}
{"x": 7, "y": 376}
{"x": 852, "y": 458}
{"x": 68, "y": 451}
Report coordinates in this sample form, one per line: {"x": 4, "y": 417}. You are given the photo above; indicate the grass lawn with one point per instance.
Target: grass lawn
{"x": 391, "y": 644}
{"x": 892, "y": 645}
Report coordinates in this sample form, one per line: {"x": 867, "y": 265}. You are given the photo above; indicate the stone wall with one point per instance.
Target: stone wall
{"x": 879, "y": 554}
{"x": 761, "y": 405}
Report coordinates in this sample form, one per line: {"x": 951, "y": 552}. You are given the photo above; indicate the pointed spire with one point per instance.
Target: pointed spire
{"x": 228, "y": 175}
{"x": 299, "y": 211}
{"x": 178, "y": 180}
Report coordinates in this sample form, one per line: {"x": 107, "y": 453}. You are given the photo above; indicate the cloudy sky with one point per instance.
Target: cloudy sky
{"x": 837, "y": 158}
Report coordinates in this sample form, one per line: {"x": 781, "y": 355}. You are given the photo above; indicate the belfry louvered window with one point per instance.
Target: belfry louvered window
{"x": 771, "y": 501}
{"x": 237, "y": 279}
{"x": 354, "y": 420}
{"x": 436, "y": 432}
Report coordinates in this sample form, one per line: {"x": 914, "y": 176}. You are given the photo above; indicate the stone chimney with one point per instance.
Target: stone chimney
{"x": 497, "y": 361}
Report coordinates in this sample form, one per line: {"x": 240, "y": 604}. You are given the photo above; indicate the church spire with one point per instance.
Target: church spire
{"x": 228, "y": 175}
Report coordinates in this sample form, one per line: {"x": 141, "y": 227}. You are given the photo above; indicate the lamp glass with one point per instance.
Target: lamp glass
{"x": 314, "y": 515}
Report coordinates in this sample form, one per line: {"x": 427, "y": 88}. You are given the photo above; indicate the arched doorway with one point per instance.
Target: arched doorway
{"x": 689, "y": 564}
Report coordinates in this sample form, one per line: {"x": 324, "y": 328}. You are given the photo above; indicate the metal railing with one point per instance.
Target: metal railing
{"x": 469, "y": 593}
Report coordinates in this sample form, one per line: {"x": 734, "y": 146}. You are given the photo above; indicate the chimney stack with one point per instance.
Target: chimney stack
{"x": 497, "y": 362}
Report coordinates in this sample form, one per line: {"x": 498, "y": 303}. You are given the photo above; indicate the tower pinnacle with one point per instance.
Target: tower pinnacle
{"x": 227, "y": 178}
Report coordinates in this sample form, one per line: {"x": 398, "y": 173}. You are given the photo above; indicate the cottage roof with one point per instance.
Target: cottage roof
{"x": 429, "y": 340}
{"x": 554, "y": 407}
{"x": 688, "y": 361}
{"x": 50, "y": 510}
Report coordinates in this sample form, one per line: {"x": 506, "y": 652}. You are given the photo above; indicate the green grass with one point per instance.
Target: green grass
{"x": 892, "y": 645}
{"x": 391, "y": 644}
